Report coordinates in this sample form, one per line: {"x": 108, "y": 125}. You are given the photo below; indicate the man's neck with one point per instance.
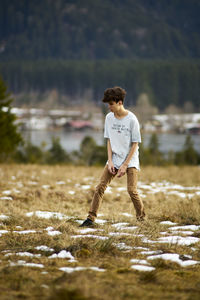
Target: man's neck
{"x": 121, "y": 113}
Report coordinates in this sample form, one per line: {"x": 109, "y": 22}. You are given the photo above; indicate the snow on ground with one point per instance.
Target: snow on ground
{"x": 70, "y": 270}
{"x": 24, "y": 254}
{"x": 3, "y": 217}
{"x": 6, "y": 198}
{"x": 47, "y": 215}
{"x": 64, "y": 254}
{"x": 142, "y": 268}
{"x": 122, "y": 246}
{"x": 167, "y": 223}
{"x": 44, "y": 248}
{"x": 174, "y": 258}
{"x": 185, "y": 227}
{"x": 25, "y": 264}
{"x": 25, "y": 231}
{"x": 175, "y": 233}
{"x": 50, "y": 231}
{"x": 169, "y": 189}
{"x": 179, "y": 240}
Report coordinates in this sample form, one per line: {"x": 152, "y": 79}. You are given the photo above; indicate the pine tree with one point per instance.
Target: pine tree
{"x": 10, "y": 138}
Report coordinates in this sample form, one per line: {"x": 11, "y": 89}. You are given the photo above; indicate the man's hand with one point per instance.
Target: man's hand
{"x": 122, "y": 170}
{"x": 111, "y": 168}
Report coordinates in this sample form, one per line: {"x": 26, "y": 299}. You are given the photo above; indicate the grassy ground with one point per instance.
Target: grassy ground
{"x": 169, "y": 193}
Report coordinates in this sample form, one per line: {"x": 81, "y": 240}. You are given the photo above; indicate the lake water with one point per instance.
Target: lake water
{"x": 72, "y": 140}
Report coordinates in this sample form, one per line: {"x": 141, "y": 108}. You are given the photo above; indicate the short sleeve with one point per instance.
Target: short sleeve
{"x": 106, "y": 134}
{"x": 135, "y": 131}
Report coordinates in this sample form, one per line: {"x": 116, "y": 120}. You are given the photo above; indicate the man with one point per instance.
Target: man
{"x": 123, "y": 135}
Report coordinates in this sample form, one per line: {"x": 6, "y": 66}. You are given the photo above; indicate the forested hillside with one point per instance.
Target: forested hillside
{"x": 96, "y": 29}
{"x": 165, "y": 82}
{"x": 76, "y": 46}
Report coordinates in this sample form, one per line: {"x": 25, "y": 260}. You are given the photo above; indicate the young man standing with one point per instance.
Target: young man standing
{"x": 123, "y": 135}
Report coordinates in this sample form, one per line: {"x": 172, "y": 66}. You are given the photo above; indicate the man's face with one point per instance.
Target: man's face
{"x": 113, "y": 106}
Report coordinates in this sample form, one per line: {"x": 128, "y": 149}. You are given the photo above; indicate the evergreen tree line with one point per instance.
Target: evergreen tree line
{"x": 165, "y": 82}
{"x": 90, "y": 154}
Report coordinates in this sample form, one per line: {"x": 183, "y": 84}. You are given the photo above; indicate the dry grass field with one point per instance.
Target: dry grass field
{"x": 44, "y": 254}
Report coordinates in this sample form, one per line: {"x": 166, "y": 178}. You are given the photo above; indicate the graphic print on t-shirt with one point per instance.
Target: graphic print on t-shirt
{"x": 119, "y": 128}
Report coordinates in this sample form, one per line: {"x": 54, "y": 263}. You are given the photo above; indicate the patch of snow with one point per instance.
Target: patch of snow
{"x": 119, "y": 225}
{"x": 63, "y": 254}
{"x": 86, "y": 230}
{"x": 3, "y": 231}
{"x": 24, "y": 254}
{"x": 174, "y": 258}
{"x": 127, "y": 215}
{"x": 55, "y": 232}
{"x": 100, "y": 221}
{"x": 60, "y": 182}
{"x": 6, "y": 198}
{"x": 121, "y": 189}
{"x": 185, "y": 227}
{"x": 78, "y": 221}
{"x": 25, "y": 264}
{"x": 130, "y": 228}
{"x": 50, "y": 231}
{"x": 96, "y": 269}
{"x": 108, "y": 190}
{"x": 187, "y": 232}
{"x": 47, "y": 215}
{"x": 167, "y": 223}
{"x": 44, "y": 285}
{"x": 86, "y": 187}
{"x": 179, "y": 240}
{"x": 6, "y": 192}
{"x": 45, "y": 186}
{"x": 122, "y": 246}
{"x": 71, "y": 192}
{"x": 142, "y": 268}
{"x": 25, "y": 231}
{"x": 141, "y": 248}
{"x": 32, "y": 183}
{"x": 179, "y": 194}
{"x": 146, "y": 240}
{"x": 119, "y": 234}
{"x": 44, "y": 248}
{"x": 139, "y": 261}
{"x": 70, "y": 270}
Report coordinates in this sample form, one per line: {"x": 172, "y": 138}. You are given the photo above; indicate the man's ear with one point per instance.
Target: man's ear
{"x": 120, "y": 102}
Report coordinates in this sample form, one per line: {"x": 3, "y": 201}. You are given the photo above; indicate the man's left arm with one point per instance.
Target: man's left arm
{"x": 124, "y": 166}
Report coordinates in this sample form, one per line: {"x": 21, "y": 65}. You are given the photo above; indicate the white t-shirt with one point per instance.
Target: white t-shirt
{"x": 122, "y": 133}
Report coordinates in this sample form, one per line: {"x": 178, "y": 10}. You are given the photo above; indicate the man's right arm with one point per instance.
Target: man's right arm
{"x": 111, "y": 167}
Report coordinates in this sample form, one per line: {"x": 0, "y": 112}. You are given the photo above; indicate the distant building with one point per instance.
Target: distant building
{"x": 78, "y": 125}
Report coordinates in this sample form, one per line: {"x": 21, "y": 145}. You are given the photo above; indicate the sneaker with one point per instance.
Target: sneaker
{"x": 87, "y": 223}
{"x": 140, "y": 219}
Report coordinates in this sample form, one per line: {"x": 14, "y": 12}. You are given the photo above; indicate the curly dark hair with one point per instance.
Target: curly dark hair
{"x": 114, "y": 94}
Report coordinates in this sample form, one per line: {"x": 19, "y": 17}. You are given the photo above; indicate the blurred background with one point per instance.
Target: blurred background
{"x": 58, "y": 57}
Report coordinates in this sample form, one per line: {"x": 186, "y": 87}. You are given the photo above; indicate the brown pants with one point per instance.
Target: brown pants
{"x": 132, "y": 174}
